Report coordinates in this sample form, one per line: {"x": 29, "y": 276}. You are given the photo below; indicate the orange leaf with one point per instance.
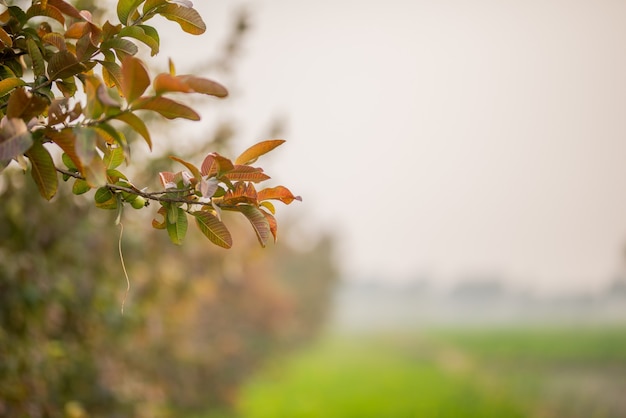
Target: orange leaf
{"x": 137, "y": 124}
{"x": 194, "y": 170}
{"x": 278, "y": 193}
{"x": 160, "y": 225}
{"x": 135, "y": 78}
{"x": 271, "y": 220}
{"x": 204, "y": 86}
{"x": 259, "y": 222}
{"x": 164, "y": 83}
{"x": 166, "y": 107}
{"x": 246, "y": 173}
{"x": 66, "y": 8}
{"x": 243, "y": 193}
{"x": 255, "y": 151}
{"x": 215, "y": 165}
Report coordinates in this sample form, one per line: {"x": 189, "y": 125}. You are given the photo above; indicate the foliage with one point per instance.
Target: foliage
{"x": 50, "y": 49}
{"x": 195, "y": 325}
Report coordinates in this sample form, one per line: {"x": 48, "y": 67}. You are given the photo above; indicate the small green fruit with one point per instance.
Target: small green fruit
{"x": 138, "y": 203}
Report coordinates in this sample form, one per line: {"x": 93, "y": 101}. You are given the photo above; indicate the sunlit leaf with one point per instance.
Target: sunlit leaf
{"x": 65, "y": 8}
{"x": 278, "y": 193}
{"x": 216, "y": 165}
{"x": 113, "y": 158}
{"x": 43, "y": 170}
{"x": 250, "y": 155}
{"x": 177, "y": 229}
{"x": 50, "y": 11}
{"x": 166, "y": 107}
{"x": 213, "y": 229}
{"x": 36, "y": 57}
{"x": 56, "y": 39}
{"x": 192, "y": 168}
{"x": 126, "y": 9}
{"x": 269, "y": 206}
{"x": 242, "y": 193}
{"x": 15, "y": 139}
{"x": 165, "y": 83}
{"x": 135, "y": 78}
{"x": 137, "y": 124}
{"x": 151, "y": 5}
{"x": 8, "y": 84}
{"x": 246, "y": 173}
{"x": 77, "y": 30}
{"x": 188, "y": 19}
{"x": 146, "y": 34}
{"x": 205, "y": 86}
{"x": 5, "y": 38}
{"x": 64, "y": 64}
{"x": 112, "y": 74}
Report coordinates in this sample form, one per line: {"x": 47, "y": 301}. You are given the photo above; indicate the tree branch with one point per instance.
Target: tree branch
{"x": 156, "y": 196}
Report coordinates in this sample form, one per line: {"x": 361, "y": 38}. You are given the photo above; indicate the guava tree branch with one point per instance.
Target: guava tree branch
{"x": 155, "y": 196}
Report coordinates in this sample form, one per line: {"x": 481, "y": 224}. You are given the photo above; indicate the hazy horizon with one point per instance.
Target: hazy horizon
{"x": 447, "y": 139}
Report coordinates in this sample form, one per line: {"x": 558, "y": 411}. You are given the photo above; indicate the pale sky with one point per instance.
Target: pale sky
{"x": 450, "y": 138}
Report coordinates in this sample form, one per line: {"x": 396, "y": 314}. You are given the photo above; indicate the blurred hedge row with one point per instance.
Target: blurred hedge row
{"x": 197, "y": 322}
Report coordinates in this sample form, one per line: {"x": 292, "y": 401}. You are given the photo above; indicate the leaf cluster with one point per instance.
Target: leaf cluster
{"x": 70, "y": 83}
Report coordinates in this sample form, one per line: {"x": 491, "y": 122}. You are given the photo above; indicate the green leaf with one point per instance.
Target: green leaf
{"x": 172, "y": 213}
{"x": 121, "y": 45}
{"x": 36, "y": 57}
{"x": 15, "y": 139}
{"x": 113, "y": 158}
{"x": 137, "y": 124}
{"x": 151, "y": 5}
{"x": 8, "y": 84}
{"x": 177, "y": 229}
{"x": 105, "y": 199}
{"x": 250, "y": 155}
{"x": 68, "y": 162}
{"x": 80, "y": 186}
{"x": 188, "y": 19}
{"x": 43, "y": 170}
{"x": 213, "y": 229}
{"x": 126, "y": 9}
{"x": 135, "y": 78}
{"x": 112, "y": 74}
{"x": 146, "y": 34}
{"x": 64, "y": 64}
{"x": 166, "y": 107}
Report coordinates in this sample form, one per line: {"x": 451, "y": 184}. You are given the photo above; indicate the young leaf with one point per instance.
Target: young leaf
{"x": 135, "y": 78}
{"x": 246, "y": 173}
{"x": 278, "y": 193}
{"x": 166, "y": 107}
{"x": 242, "y": 193}
{"x": 137, "y": 124}
{"x": 8, "y": 84}
{"x": 66, "y": 8}
{"x": 177, "y": 229}
{"x": 204, "y": 86}
{"x": 213, "y": 229}
{"x": 43, "y": 170}
{"x": 250, "y": 155}
{"x": 272, "y": 223}
{"x": 188, "y": 18}
{"x": 126, "y": 9}
{"x": 194, "y": 170}
{"x": 216, "y": 165}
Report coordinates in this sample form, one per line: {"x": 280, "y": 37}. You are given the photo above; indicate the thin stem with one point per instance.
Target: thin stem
{"x": 156, "y": 196}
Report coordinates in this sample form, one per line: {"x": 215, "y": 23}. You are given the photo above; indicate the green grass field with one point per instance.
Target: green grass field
{"x": 480, "y": 373}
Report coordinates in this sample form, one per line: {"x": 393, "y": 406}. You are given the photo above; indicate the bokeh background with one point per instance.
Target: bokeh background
{"x": 459, "y": 251}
